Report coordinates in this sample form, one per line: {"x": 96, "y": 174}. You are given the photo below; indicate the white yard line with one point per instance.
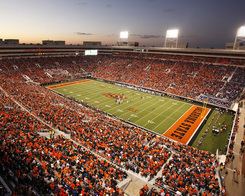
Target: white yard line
{"x": 93, "y": 94}
{"x": 169, "y": 116}
{"x": 91, "y": 91}
{"x": 128, "y": 105}
{"x": 77, "y": 92}
{"x": 178, "y": 119}
{"x": 137, "y": 113}
{"x": 108, "y": 101}
{"x": 172, "y": 105}
{"x": 153, "y": 110}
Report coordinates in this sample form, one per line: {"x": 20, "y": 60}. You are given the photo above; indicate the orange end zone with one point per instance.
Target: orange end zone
{"x": 184, "y": 129}
{"x": 66, "y": 84}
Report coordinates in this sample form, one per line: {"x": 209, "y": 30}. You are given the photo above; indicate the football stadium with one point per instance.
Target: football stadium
{"x": 122, "y": 119}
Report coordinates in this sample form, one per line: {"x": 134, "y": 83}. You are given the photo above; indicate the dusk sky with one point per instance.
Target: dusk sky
{"x": 204, "y": 23}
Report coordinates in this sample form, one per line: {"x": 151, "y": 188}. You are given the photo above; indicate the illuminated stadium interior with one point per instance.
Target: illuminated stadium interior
{"x": 127, "y": 115}
{"x": 122, "y": 98}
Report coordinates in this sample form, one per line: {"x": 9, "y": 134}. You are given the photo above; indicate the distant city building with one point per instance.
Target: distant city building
{"x": 53, "y": 43}
{"x": 11, "y": 42}
{"x": 133, "y": 44}
{"x": 59, "y": 43}
{"x": 128, "y": 44}
{"x": 122, "y": 43}
{"x": 1, "y": 41}
{"x": 229, "y": 45}
{"x": 92, "y": 43}
{"x": 48, "y": 42}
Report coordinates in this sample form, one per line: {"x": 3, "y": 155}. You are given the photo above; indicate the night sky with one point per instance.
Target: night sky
{"x": 203, "y": 23}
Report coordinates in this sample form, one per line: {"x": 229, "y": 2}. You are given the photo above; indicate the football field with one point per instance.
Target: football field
{"x": 178, "y": 120}
{"x": 152, "y": 112}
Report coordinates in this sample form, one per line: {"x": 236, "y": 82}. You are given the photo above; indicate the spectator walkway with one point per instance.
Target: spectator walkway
{"x": 233, "y": 174}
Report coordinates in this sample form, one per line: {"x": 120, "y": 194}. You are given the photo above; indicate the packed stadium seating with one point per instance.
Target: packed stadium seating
{"x": 194, "y": 79}
{"x": 62, "y": 167}
{"x": 222, "y": 84}
{"x": 48, "y": 166}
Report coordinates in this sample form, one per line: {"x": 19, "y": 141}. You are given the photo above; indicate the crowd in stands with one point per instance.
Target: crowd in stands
{"x": 63, "y": 167}
{"x": 221, "y": 84}
{"x": 93, "y": 130}
{"x": 40, "y": 165}
{"x": 190, "y": 171}
{"x": 193, "y": 77}
{"x": 46, "y": 69}
{"x": 146, "y": 191}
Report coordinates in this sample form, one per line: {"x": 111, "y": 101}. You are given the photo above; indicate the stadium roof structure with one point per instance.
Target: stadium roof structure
{"x": 33, "y": 50}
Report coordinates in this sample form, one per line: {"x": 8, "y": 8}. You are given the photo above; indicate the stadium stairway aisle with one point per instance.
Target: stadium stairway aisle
{"x": 159, "y": 174}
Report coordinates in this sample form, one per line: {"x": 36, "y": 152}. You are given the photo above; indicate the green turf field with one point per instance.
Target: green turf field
{"x": 211, "y": 141}
{"x": 150, "y": 111}
{"x": 153, "y": 112}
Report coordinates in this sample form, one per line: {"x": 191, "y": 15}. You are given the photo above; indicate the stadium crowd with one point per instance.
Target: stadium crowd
{"x": 39, "y": 164}
{"x": 93, "y": 130}
{"x": 221, "y": 84}
{"x": 190, "y": 172}
{"x": 63, "y": 167}
{"x": 192, "y": 77}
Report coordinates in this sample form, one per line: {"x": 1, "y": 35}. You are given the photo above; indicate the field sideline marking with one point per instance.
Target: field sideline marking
{"x": 64, "y": 84}
{"x": 82, "y": 89}
{"x": 174, "y": 112}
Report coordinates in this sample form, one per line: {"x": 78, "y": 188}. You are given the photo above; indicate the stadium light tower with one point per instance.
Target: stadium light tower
{"x": 123, "y": 38}
{"x": 172, "y": 36}
{"x": 240, "y": 37}
{"x": 124, "y": 35}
